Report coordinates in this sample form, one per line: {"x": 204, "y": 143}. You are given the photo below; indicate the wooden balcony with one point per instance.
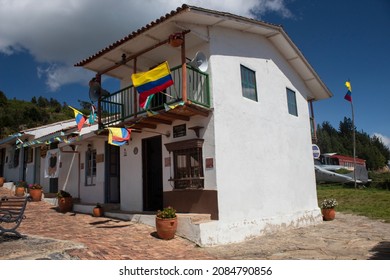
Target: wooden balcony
{"x": 121, "y": 108}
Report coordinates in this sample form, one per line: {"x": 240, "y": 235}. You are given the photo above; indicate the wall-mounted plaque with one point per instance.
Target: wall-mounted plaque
{"x": 179, "y": 130}
{"x": 99, "y": 158}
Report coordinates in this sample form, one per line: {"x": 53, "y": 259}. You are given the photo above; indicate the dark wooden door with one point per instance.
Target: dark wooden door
{"x": 152, "y": 173}
{"x": 112, "y": 178}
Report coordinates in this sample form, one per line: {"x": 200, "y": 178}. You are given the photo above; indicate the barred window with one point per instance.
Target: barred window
{"x": 187, "y": 164}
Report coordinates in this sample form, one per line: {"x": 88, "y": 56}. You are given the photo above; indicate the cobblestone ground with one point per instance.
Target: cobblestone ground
{"x": 53, "y": 235}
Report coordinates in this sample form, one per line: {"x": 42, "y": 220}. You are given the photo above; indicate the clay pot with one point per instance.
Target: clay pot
{"x": 97, "y": 212}
{"x": 2, "y": 180}
{"x": 166, "y": 228}
{"x": 36, "y": 194}
{"x": 328, "y": 214}
{"x": 65, "y": 204}
{"x": 19, "y": 191}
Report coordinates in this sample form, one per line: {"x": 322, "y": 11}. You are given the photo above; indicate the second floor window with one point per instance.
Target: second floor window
{"x": 90, "y": 168}
{"x": 248, "y": 83}
{"x": 292, "y": 102}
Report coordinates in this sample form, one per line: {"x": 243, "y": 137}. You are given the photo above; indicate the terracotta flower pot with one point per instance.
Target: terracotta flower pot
{"x": 166, "y": 228}
{"x": 36, "y": 194}
{"x": 19, "y": 191}
{"x": 65, "y": 204}
{"x": 2, "y": 180}
{"x": 97, "y": 212}
{"x": 328, "y": 214}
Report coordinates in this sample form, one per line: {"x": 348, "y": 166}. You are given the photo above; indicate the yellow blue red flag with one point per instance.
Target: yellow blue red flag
{"x": 152, "y": 81}
{"x": 348, "y": 95}
{"x": 80, "y": 118}
{"x": 118, "y": 136}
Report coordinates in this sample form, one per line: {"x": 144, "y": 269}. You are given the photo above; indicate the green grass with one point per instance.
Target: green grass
{"x": 370, "y": 202}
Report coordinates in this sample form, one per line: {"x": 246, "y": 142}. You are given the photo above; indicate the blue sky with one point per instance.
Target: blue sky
{"x": 341, "y": 39}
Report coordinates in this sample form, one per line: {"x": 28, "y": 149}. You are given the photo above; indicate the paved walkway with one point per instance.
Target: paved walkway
{"x": 53, "y": 235}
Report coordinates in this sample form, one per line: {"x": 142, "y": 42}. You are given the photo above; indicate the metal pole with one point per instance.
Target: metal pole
{"x": 354, "y": 144}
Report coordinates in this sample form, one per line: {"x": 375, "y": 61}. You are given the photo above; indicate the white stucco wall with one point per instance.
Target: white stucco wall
{"x": 265, "y": 172}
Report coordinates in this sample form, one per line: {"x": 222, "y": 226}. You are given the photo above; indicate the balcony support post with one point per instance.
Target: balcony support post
{"x": 184, "y": 69}
{"x": 135, "y": 105}
{"x": 99, "y": 107}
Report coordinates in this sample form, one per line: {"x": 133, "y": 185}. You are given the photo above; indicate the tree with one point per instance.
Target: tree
{"x": 3, "y": 99}
{"x": 339, "y": 141}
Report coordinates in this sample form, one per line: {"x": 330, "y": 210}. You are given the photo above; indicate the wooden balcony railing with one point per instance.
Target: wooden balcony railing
{"x": 121, "y": 106}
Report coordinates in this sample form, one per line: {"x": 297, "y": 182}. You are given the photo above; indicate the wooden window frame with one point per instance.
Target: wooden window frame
{"x": 187, "y": 164}
{"x": 90, "y": 168}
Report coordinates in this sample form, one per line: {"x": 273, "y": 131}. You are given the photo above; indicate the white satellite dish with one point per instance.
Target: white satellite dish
{"x": 199, "y": 62}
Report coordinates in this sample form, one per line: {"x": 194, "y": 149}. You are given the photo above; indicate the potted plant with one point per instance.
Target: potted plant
{"x": 65, "y": 201}
{"x": 20, "y": 188}
{"x": 327, "y": 209}
{"x": 35, "y": 191}
{"x": 97, "y": 210}
{"x": 166, "y": 223}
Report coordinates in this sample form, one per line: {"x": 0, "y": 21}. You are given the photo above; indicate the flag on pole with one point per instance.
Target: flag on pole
{"x": 152, "y": 81}
{"x": 80, "y": 118}
{"x": 348, "y": 95}
{"x": 118, "y": 136}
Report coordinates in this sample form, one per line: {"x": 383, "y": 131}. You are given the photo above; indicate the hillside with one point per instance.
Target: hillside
{"x": 17, "y": 115}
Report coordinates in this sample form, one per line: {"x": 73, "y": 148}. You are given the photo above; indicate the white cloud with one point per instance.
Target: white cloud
{"x": 62, "y": 32}
{"x": 58, "y": 75}
{"x": 385, "y": 139}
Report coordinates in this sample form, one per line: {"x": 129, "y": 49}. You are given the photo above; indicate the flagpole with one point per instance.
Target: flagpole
{"x": 354, "y": 144}
{"x": 348, "y": 97}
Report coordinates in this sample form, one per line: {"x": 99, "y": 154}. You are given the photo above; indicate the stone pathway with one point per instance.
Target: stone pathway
{"x": 53, "y": 235}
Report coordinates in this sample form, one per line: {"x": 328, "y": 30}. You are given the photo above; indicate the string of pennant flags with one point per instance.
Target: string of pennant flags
{"x": 117, "y": 136}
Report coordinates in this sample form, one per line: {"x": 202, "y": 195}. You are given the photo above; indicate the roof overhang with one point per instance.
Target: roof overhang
{"x": 183, "y": 18}
{"x": 14, "y": 139}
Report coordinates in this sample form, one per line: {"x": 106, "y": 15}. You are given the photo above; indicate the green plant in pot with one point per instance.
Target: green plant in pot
{"x": 328, "y": 209}
{"x": 21, "y": 188}
{"x": 35, "y": 191}
{"x": 166, "y": 223}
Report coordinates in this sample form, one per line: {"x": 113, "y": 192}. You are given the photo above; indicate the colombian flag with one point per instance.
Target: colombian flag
{"x": 80, "y": 118}
{"x": 348, "y": 95}
{"x": 118, "y": 136}
{"x": 152, "y": 81}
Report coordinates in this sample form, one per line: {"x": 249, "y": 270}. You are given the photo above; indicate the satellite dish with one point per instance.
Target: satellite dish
{"x": 95, "y": 91}
{"x": 199, "y": 62}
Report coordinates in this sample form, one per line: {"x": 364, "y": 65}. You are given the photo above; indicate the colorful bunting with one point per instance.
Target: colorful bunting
{"x": 80, "y": 118}
{"x": 118, "y": 136}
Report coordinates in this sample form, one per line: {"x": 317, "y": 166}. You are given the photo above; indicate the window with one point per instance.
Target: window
{"x": 15, "y": 158}
{"x": 292, "y": 102}
{"x": 248, "y": 83}
{"x": 28, "y": 155}
{"x": 90, "y": 169}
{"x": 187, "y": 164}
